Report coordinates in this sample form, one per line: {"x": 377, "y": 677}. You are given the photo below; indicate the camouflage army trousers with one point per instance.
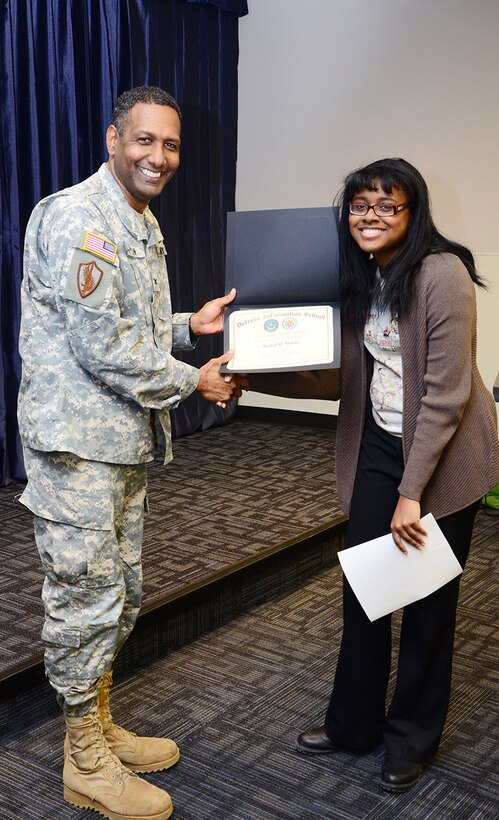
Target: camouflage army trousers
{"x": 88, "y": 531}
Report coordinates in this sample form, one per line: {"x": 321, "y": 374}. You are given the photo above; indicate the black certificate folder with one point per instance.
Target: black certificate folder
{"x": 284, "y": 264}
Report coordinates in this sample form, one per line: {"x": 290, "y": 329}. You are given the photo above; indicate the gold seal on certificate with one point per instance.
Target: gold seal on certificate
{"x": 280, "y": 338}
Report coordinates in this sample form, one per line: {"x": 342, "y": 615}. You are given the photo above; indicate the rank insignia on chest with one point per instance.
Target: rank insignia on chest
{"x": 88, "y": 277}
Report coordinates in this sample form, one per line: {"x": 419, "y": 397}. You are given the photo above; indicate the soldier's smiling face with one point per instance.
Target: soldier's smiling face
{"x": 146, "y": 155}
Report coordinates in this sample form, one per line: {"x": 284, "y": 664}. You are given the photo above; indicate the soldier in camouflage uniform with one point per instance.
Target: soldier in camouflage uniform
{"x": 96, "y": 339}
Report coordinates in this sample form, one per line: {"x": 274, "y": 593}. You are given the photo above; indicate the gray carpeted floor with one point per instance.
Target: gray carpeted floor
{"x": 236, "y": 698}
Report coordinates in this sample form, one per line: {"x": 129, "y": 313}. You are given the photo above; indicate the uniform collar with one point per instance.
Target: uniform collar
{"x": 146, "y": 229}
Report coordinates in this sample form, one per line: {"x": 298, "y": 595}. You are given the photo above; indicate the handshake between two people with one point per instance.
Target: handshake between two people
{"x": 214, "y": 386}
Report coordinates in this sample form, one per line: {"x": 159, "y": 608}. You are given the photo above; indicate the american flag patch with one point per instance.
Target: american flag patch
{"x": 100, "y": 246}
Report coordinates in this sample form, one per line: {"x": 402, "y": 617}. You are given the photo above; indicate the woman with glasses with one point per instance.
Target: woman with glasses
{"x": 416, "y": 434}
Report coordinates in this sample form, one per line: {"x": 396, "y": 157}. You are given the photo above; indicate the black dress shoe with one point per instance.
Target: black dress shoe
{"x": 399, "y": 775}
{"x": 315, "y": 742}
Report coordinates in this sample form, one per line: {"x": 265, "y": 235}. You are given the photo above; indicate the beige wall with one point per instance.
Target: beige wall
{"x": 327, "y": 85}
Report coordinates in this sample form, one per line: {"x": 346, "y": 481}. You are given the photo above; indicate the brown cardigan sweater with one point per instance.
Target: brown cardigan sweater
{"x": 449, "y": 437}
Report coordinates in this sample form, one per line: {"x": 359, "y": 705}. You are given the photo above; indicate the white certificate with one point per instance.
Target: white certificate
{"x": 280, "y": 338}
{"x": 384, "y": 579}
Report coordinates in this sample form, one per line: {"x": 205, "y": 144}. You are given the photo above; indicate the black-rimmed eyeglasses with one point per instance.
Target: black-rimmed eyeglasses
{"x": 362, "y": 208}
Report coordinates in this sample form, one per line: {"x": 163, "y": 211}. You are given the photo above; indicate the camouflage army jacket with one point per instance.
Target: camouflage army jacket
{"x": 97, "y": 329}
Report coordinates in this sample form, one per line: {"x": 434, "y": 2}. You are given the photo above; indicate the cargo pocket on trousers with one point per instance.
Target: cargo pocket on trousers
{"x": 79, "y": 508}
{"x": 61, "y": 649}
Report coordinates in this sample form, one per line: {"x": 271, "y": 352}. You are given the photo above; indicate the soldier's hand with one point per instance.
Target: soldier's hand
{"x": 215, "y": 386}
{"x": 210, "y": 318}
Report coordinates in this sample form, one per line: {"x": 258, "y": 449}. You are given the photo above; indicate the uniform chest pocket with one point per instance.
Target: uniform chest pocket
{"x": 162, "y": 316}
{"x": 137, "y": 269}
{"x": 136, "y": 251}
{"x": 162, "y": 303}
{"x": 161, "y": 289}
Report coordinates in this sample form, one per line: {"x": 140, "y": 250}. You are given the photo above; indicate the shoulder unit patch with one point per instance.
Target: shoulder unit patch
{"x": 88, "y": 278}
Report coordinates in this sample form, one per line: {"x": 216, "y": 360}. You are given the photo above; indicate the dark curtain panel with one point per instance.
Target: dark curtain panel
{"x": 62, "y": 65}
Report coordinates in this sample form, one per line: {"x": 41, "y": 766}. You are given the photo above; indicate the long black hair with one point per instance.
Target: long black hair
{"x": 359, "y": 284}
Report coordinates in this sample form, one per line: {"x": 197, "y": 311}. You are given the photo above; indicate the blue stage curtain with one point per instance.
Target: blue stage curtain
{"x": 62, "y": 65}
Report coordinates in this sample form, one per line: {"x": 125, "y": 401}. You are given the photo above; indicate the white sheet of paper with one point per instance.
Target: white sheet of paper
{"x": 384, "y": 579}
{"x": 280, "y": 337}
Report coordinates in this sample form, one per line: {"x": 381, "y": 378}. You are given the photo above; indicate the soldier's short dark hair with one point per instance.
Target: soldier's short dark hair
{"x": 149, "y": 94}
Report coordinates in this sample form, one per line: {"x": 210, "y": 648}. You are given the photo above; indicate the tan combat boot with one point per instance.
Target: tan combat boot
{"x": 95, "y": 779}
{"x": 139, "y": 754}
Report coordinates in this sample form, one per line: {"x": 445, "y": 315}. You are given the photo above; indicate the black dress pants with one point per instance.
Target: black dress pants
{"x": 356, "y": 717}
